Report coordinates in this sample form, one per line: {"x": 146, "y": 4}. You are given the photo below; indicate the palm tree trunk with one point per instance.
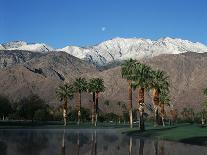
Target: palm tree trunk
{"x": 162, "y": 111}
{"x": 79, "y": 106}
{"x": 65, "y": 112}
{"x": 93, "y": 109}
{"x": 141, "y": 109}
{"x": 96, "y": 109}
{"x": 155, "y": 100}
{"x": 130, "y": 103}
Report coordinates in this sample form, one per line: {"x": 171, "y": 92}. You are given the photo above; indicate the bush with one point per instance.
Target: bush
{"x": 108, "y": 117}
{"x": 27, "y": 107}
{"x": 43, "y": 115}
{"x": 5, "y": 107}
{"x": 85, "y": 115}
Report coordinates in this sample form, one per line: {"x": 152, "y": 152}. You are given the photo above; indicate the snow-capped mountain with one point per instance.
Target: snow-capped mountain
{"x": 117, "y": 49}
{"x": 21, "y": 45}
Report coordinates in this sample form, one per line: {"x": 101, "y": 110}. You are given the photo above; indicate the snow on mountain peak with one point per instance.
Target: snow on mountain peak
{"x": 117, "y": 49}
{"x": 14, "y": 44}
{"x": 21, "y": 45}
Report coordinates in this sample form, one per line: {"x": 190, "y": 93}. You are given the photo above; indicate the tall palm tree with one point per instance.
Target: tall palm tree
{"x": 127, "y": 70}
{"x": 141, "y": 77}
{"x": 96, "y": 85}
{"x": 99, "y": 86}
{"x": 164, "y": 100}
{"x": 158, "y": 83}
{"x": 63, "y": 93}
{"x": 92, "y": 89}
{"x": 80, "y": 86}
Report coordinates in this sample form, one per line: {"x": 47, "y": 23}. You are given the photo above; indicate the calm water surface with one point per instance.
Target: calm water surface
{"x": 87, "y": 142}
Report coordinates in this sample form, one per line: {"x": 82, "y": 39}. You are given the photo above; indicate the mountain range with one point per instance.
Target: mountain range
{"x": 39, "y": 69}
{"x": 116, "y": 50}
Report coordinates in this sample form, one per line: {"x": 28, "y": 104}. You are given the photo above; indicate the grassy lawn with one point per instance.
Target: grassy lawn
{"x": 187, "y": 133}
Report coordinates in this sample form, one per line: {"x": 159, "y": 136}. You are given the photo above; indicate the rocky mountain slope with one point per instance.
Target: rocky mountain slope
{"x": 43, "y": 73}
{"x": 13, "y": 57}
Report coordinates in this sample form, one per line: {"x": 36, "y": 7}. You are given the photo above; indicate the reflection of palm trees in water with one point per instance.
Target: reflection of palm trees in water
{"x": 162, "y": 150}
{"x": 159, "y": 147}
{"x": 141, "y": 146}
{"x": 130, "y": 145}
{"x": 156, "y": 146}
{"x": 94, "y": 143}
{"x": 63, "y": 144}
{"x": 78, "y": 143}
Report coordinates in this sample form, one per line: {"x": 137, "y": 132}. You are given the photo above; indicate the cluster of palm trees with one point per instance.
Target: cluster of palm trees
{"x": 142, "y": 77}
{"x": 66, "y": 92}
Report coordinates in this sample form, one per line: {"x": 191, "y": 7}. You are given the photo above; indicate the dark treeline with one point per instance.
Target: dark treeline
{"x": 34, "y": 108}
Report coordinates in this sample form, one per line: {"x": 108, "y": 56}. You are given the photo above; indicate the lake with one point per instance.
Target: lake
{"x": 87, "y": 142}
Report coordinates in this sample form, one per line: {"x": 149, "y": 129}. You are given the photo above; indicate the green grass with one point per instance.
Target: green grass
{"x": 187, "y": 133}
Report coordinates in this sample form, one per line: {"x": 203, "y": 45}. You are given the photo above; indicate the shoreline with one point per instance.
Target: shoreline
{"x": 185, "y": 133}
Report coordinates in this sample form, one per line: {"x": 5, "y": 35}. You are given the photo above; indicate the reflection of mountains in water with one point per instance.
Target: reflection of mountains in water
{"x": 87, "y": 142}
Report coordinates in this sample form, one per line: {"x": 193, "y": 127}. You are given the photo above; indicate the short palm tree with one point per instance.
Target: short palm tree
{"x": 80, "y": 86}
{"x": 63, "y": 93}
{"x": 159, "y": 82}
{"x": 96, "y": 85}
{"x": 141, "y": 77}
{"x": 127, "y": 70}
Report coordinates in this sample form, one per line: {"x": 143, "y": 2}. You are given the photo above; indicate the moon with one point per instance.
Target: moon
{"x": 103, "y": 29}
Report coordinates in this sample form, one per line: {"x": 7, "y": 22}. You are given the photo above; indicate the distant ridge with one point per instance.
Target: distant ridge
{"x": 117, "y": 49}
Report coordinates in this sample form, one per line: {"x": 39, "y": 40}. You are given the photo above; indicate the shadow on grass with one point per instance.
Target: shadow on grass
{"x": 195, "y": 141}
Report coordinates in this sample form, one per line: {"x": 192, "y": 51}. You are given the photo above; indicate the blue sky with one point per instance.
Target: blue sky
{"x": 87, "y": 22}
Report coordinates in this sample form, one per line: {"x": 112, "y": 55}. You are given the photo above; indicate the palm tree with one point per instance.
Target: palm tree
{"x": 158, "y": 83}
{"x": 141, "y": 76}
{"x": 127, "y": 70}
{"x": 92, "y": 89}
{"x": 63, "y": 93}
{"x": 96, "y": 85}
{"x": 80, "y": 86}
{"x": 164, "y": 100}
